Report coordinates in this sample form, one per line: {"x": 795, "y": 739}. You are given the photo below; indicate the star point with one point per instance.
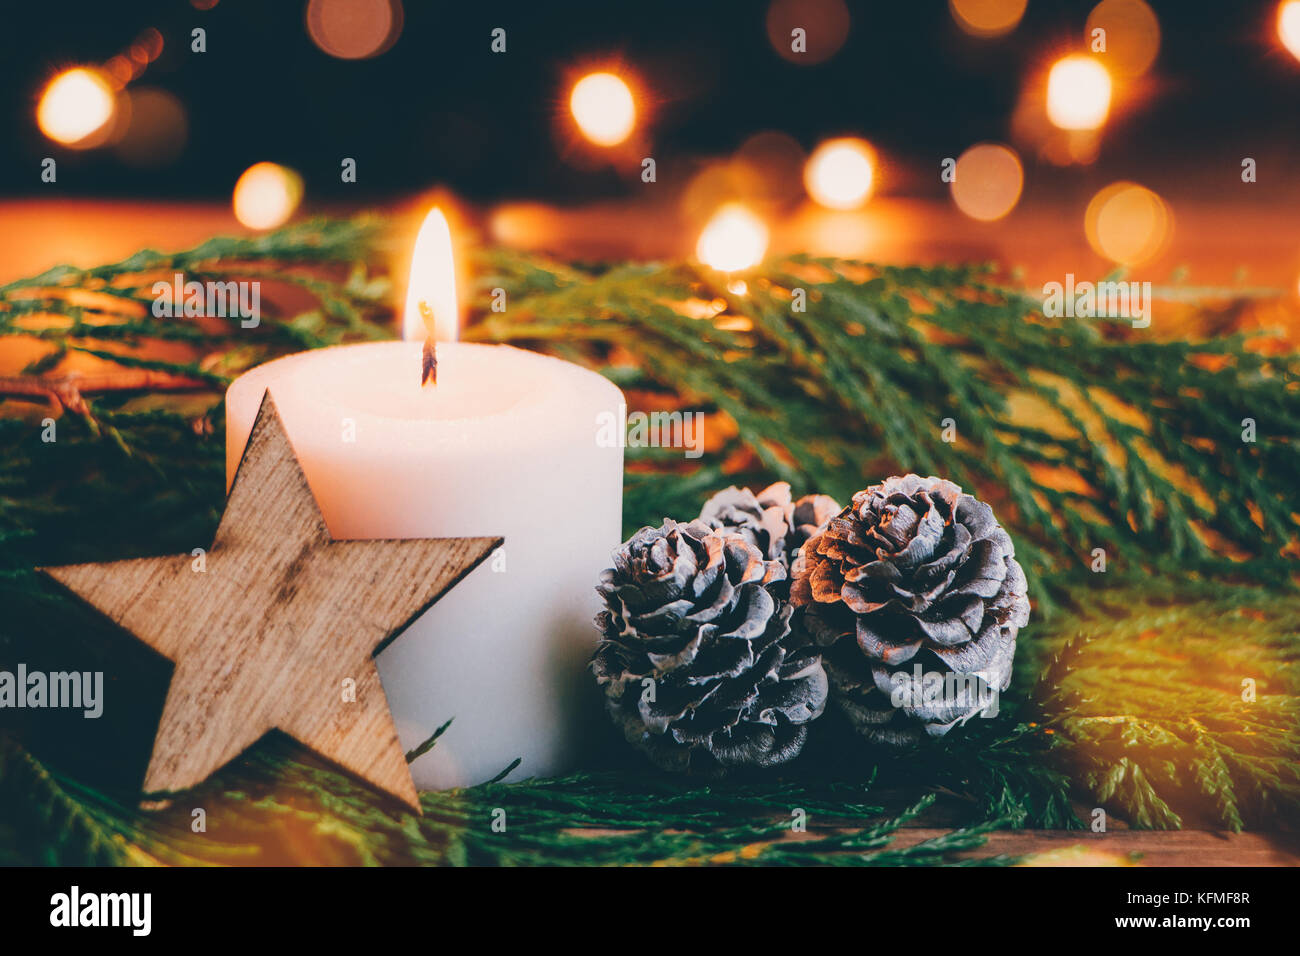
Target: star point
{"x": 265, "y": 632}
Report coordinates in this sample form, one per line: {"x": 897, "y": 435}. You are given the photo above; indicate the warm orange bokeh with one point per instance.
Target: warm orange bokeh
{"x": 1078, "y": 93}
{"x": 840, "y": 173}
{"x": 987, "y": 18}
{"x": 76, "y": 106}
{"x": 1132, "y": 35}
{"x": 988, "y": 181}
{"x": 1288, "y": 26}
{"x": 604, "y": 108}
{"x": 1127, "y": 223}
{"x": 734, "y": 239}
{"x": 266, "y": 195}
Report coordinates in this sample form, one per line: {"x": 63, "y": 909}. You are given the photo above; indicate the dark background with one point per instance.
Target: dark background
{"x": 439, "y": 107}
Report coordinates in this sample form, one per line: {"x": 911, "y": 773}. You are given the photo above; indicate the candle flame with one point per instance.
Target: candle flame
{"x": 432, "y": 312}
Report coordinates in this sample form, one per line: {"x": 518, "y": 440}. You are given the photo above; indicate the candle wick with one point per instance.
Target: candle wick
{"x": 429, "y": 363}
{"x": 429, "y": 359}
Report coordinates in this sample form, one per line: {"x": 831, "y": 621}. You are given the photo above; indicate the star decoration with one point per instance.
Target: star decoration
{"x": 276, "y": 626}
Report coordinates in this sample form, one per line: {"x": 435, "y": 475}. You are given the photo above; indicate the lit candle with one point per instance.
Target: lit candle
{"x": 505, "y": 443}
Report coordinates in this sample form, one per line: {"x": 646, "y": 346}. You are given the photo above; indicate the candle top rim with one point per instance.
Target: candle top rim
{"x": 530, "y": 383}
{"x": 407, "y": 345}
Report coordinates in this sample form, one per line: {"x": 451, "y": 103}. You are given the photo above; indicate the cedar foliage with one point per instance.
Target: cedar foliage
{"x": 1081, "y": 433}
{"x": 278, "y": 806}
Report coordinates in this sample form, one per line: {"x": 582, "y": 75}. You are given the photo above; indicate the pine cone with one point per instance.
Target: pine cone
{"x": 700, "y": 614}
{"x": 770, "y": 520}
{"x": 916, "y": 593}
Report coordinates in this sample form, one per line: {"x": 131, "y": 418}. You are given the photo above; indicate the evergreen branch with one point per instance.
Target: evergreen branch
{"x": 1081, "y": 434}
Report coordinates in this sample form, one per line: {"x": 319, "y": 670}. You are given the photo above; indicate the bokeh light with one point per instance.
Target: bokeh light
{"x": 825, "y": 25}
{"x": 1132, "y": 35}
{"x": 1078, "y": 93}
{"x": 988, "y": 181}
{"x": 734, "y": 239}
{"x": 120, "y": 70}
{"x": 148, "y": 46}
{"x": 75, "y": 106}
{"x": 845, "y": 233}
{"x": 719, "y": 183}
{"x": 987, "y": 18}
{"x": 354, "y": 29}
{"x": 1288, "y": 26}
{"x": 157, "y": 130}
{"x": 840, "y": 172}
{"x": 266, "y": 195}
{"x": 1127, "y": 223}
{"x": 603, "y": 107}
{"x": 775, "y": 161}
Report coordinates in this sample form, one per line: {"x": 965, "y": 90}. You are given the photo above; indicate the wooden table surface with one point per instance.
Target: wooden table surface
{"x": 1131, "y": 847}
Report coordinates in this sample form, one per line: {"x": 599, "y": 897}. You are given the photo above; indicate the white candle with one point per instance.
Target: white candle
{"x": 504, "y": 444}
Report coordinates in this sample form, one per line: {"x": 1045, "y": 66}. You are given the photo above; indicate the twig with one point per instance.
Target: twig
{"x": 67, "y": 392}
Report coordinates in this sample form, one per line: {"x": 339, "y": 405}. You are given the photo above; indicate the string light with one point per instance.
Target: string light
{"x": 840, "y": 172}
{"x": 1078, "y": 93}
{"x": 734, "y": 239}
{"x": 266, "y": 195}
{"x": 603, "y": 107}
{"x": 77, "y": 104}
{"x": 1288, "y": 26}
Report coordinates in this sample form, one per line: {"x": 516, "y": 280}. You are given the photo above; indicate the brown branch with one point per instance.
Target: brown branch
{"x": 66, "y": 392}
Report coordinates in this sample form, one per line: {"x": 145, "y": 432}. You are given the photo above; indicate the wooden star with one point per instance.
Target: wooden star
{"x": 269, "y": 626}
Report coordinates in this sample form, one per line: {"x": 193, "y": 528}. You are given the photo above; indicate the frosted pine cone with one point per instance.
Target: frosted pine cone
{"x": 697, "y": 660}
{"x": 770, "y": 520}
{"x": 916, "y": 593}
